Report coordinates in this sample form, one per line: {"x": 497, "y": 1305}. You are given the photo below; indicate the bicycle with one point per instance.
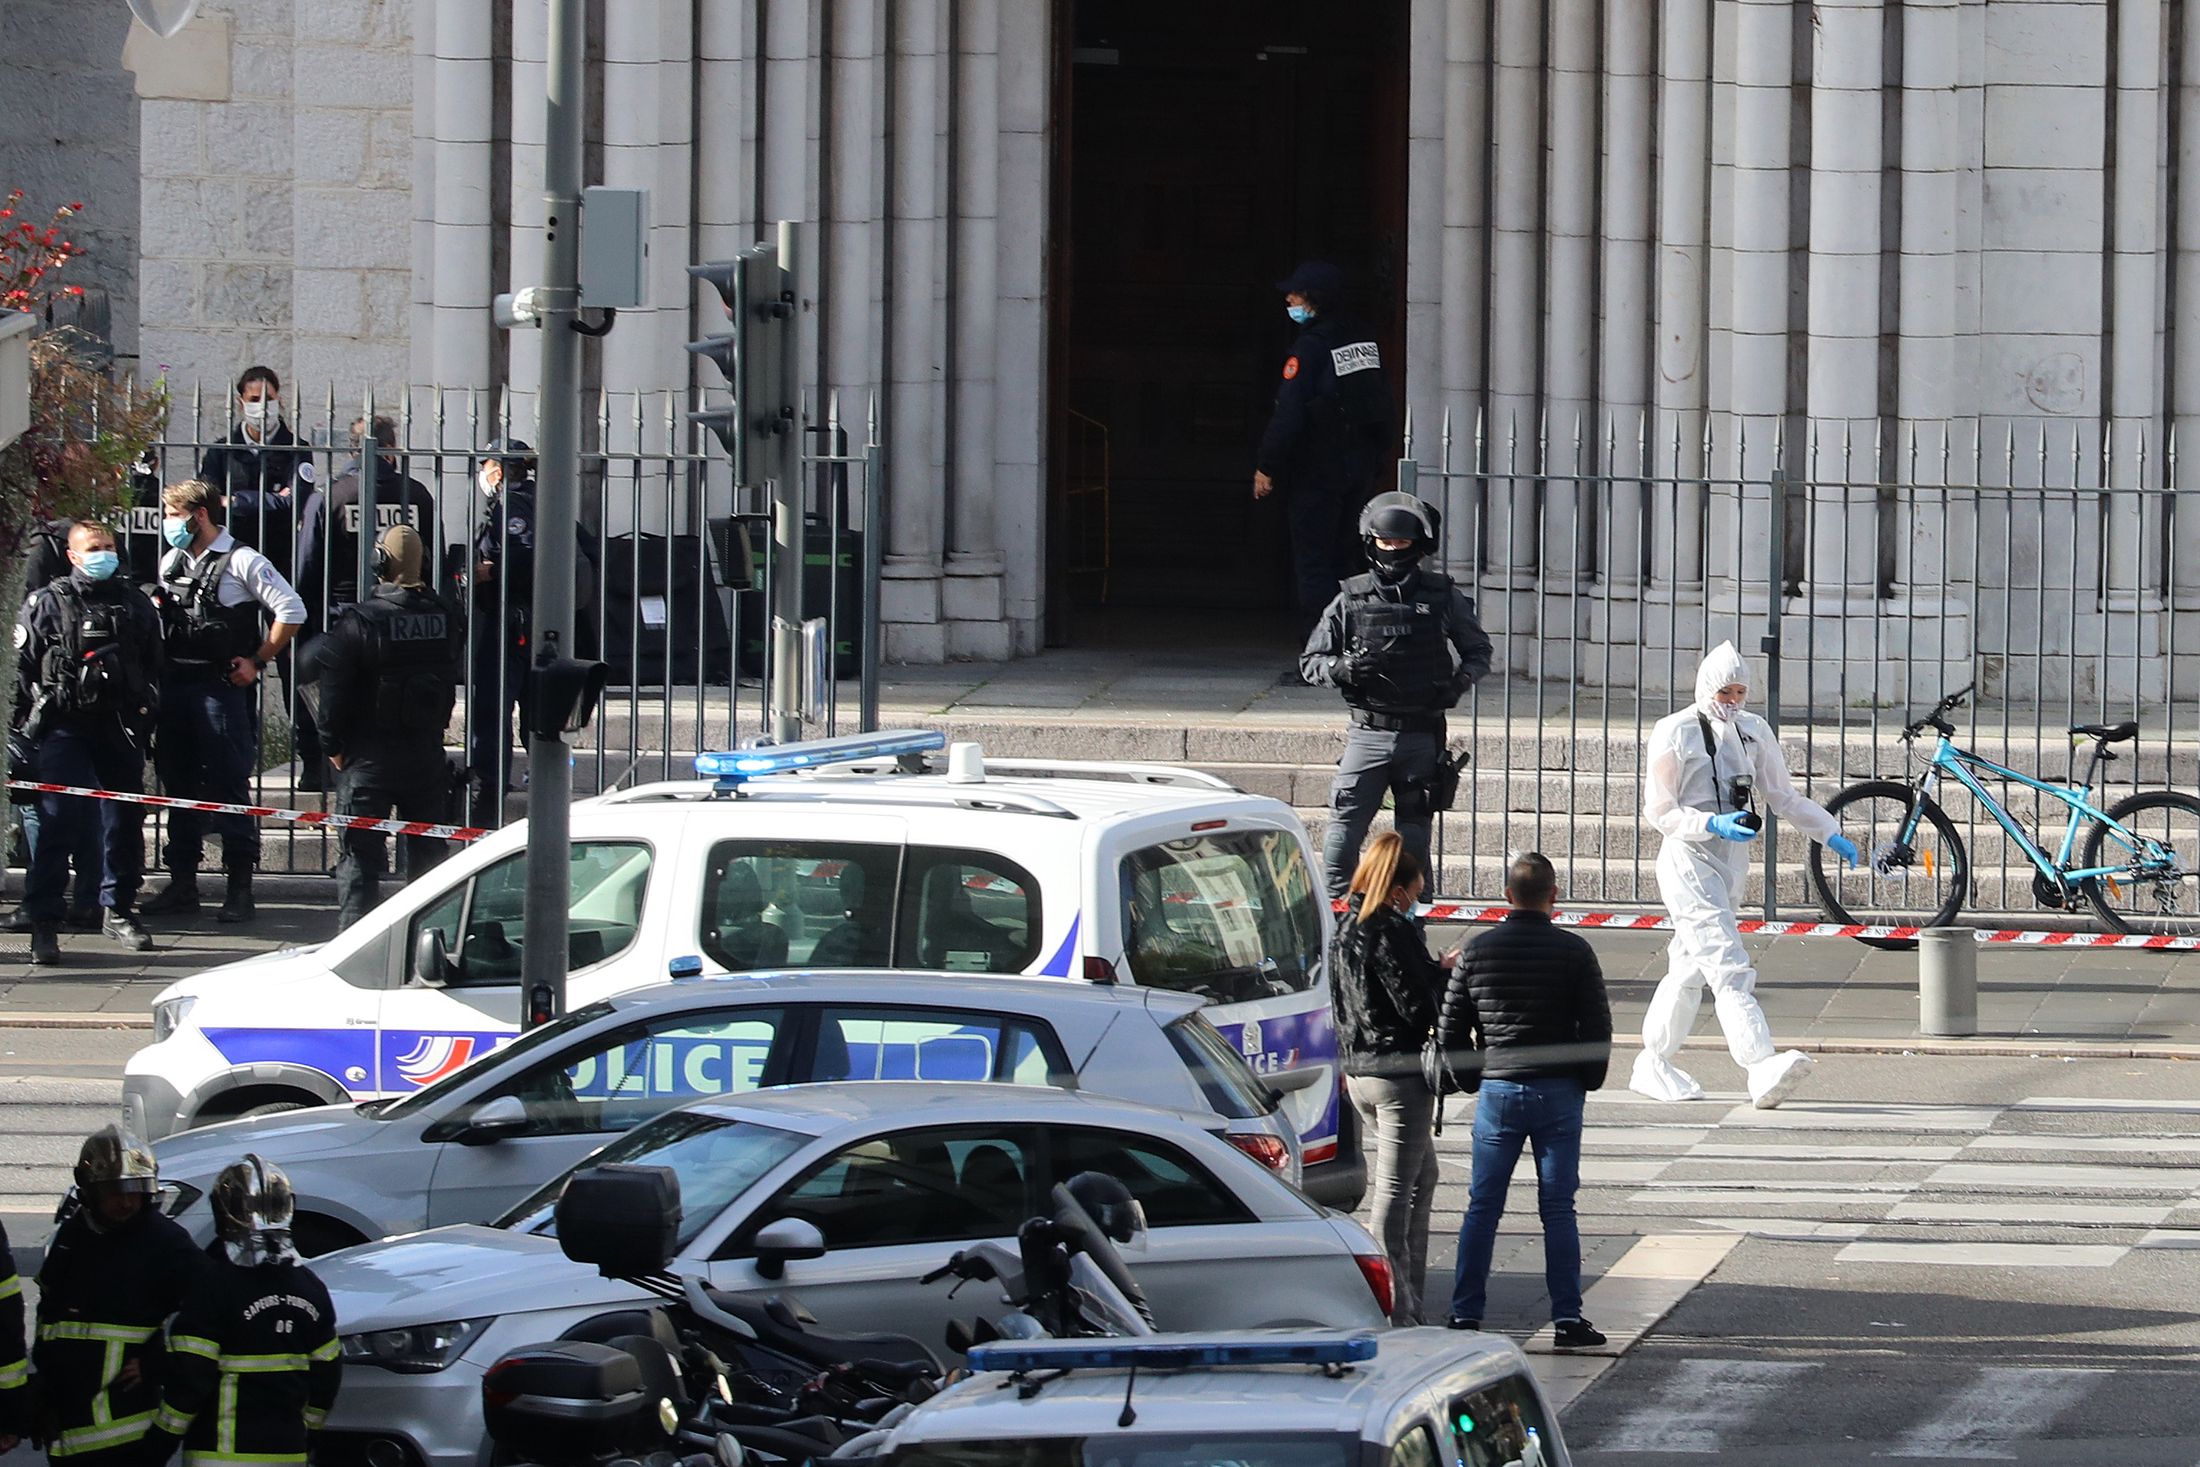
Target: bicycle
{"x": 2139, "y": 871}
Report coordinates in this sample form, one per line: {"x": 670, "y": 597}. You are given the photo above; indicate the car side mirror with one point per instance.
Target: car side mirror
{"x": 493, "y": 1120}
{"x": 783, "y": 1241}
{"x": 431, "y": 957}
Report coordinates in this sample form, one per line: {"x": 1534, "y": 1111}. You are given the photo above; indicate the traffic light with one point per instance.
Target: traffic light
{"x": 760, "y": 304}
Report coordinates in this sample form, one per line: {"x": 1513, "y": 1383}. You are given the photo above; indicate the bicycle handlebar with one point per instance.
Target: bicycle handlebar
{"x": 1937, "y": 720}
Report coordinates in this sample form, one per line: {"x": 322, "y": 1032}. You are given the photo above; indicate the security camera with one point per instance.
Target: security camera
{"x": 514, "y": 309}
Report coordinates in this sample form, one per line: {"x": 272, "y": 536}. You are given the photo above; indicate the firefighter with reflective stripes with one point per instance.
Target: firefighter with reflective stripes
{"x": 252, "y": 1366}
{"x": 15, "y": 1366}
{"x": 114, "y": 1272}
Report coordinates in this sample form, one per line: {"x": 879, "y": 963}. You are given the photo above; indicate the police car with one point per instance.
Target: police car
{"x": 864, "y": 852}
{"x": 1252, "y": 1398}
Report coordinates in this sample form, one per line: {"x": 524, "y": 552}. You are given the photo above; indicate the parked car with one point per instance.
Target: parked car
{"x": 840, "y": 853}
{"x": 841, "y": 1197}
{"x": 469, "y": 1146}
{"x": 1408, "y": 1398}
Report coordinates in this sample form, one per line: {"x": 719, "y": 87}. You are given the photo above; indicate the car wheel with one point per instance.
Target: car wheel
{"x": 315, "y": 1236}
{"x": 268, "y": 1108}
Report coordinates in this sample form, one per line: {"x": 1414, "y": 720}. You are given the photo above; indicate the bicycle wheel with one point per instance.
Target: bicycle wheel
{"x": 2157, "y": 891}
{"x": 1918, "y": 883}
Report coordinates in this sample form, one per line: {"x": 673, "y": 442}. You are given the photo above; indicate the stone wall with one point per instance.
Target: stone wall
{"x": 71, "y": 125}
{"x": 278, "y": 193}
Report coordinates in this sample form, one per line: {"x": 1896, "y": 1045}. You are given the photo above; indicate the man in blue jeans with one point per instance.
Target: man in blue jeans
{"x": 1525, "y": 1012}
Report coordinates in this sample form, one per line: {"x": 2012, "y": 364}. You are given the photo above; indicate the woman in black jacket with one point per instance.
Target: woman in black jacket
{"x": 1385, "y": 989}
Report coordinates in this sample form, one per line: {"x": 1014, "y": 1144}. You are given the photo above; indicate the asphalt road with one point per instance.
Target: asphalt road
{"x": 1937, "y": 1257}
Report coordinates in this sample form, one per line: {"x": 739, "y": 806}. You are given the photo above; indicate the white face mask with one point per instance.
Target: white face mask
{"x": 263, "y": 413}
{"x": 489, "y": 484}
{"x": 1723, "y": 712}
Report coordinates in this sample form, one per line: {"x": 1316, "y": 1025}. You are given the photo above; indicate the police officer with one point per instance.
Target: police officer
{"x": 49, "y": 562}
{"x": 252, "y": 1367}
{"x": 1402, "y": 644}
{"x": 116, "y": 1269}
{"x": 260, "y": 471}
{"x": 1330, "y": 434}
{"x": 91, "y": 656}
{"x": 389, "y": 672}
{"x": 501, "y": 584}
{"x": 213, "y": 594}
{"x": 15, "y": 1365}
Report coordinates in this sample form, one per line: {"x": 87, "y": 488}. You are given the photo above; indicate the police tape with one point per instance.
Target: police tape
{"x": 1654, "y": 922}
{"x": 326, "y": 819}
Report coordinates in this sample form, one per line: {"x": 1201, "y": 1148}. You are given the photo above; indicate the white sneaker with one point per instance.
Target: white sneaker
{"x": 1774, "y": 1080}
{"x": 1662, "y": 1080}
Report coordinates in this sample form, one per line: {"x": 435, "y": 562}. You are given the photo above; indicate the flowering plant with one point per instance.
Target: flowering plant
{"x": 86, "y": 428}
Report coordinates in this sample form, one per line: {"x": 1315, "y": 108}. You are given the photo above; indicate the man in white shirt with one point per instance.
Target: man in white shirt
{"x": 214, "y": 593}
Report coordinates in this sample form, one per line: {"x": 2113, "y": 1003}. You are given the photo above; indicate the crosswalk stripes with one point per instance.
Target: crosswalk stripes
{"x": 1899, "y": 1184}
{"x": 1709, "y": 1407}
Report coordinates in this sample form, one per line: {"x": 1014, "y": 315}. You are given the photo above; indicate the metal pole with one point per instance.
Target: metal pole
{"x": 1775, "y": 587}
{"x": 785, "y": 471}
{"x": 543, "y": 961}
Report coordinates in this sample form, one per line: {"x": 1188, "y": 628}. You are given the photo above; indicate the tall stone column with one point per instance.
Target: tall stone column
{"x": 1566, "y": 435}
{"x": 1509, "y": 539}
{"x": 2184, "y": 581}
{"x": 1019, "y": 388}
{"x": 971, "y": 592}
{"x": 910, "y": 593}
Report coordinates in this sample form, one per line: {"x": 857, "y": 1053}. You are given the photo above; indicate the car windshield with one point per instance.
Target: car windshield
{"x": 716, "y": 1158}
{"x": 1121, "y": 1449}
{"x": 516, "y": 1051}
{"x": 1230, "y": 916}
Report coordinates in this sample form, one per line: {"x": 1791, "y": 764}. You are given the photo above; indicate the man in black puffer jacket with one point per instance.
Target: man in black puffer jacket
{"x": 1535, "y": 995}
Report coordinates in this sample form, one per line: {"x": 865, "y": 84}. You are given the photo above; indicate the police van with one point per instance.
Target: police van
{"x": 877, "y": 851}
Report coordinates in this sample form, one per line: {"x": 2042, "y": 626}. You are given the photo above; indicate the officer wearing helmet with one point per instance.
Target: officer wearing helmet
{"x": 389, "y": 671}
{"x": 1329, "y": 435}
{"x": 114, "y": 1271}
{"x": 1402, "y": 644}
{"x": 252, "y": 1367}
{"x": 500, "y": 582}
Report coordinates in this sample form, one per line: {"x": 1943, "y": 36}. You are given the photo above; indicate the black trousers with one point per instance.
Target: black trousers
{"x": 72, "y": 825}
{"x": 414, "y": 790}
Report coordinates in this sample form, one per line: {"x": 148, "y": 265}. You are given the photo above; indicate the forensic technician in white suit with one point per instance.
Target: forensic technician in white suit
{"x": 1711, "y": 768}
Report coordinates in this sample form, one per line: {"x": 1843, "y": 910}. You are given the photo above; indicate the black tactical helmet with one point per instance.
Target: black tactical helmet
{"x": 1397, "y": 516}
{"x": 1110, "y": 1204}
{"x": 515, "y": 457}
{"x": 114, "y": 1160}
{"x": 252, "y": 1202}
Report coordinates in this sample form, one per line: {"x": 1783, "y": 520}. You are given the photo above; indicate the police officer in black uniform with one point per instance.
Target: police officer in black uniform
{"x": 1402, "y": 644}
{"x": 252, "y": 1355}
{"x": 1330, "y": 434}
{"x": 91, "y": 657}
{"x": 114, "y": 1271}
{"x": 389, "y": 673}
{"x": 500, "y": 581}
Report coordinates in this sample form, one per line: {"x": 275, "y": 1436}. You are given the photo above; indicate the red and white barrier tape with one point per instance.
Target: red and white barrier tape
{"x": 323, "y": 818}
{"x": 1654, "y": 922}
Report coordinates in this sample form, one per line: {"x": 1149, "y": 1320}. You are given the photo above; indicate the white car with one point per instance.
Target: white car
{"x": 471, "y": 1145}
{"x": 883, "y": 1182}
{"x": 1298, "y": 1398}
{"x": 841, "y": 853}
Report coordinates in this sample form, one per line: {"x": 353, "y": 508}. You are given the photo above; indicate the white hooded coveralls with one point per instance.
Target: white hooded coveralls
{"x": 1700, "y": 877}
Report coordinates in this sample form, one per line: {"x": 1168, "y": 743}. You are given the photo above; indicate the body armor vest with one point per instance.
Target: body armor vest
{"x": 96, "y": 666}
{"x": 200, "y": 631}
{"x": 1405, "y": 630}
{"x": 416, "y": 661}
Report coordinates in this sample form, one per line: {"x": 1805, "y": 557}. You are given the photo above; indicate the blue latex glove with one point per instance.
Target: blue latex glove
{"x": 1729, "y": 827}
{"x": 1845, "y": 848}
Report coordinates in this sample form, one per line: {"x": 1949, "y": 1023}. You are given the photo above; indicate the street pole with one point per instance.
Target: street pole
{"x": 785, "y": 470}
{"x": 544, "y": 956}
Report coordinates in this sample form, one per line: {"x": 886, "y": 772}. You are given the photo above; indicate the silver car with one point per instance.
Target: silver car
{"x": 841, "y": 1196}
{"x": 469, "y": 1146}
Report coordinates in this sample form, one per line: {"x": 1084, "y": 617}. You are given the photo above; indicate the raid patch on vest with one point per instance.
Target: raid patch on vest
{"x": 1290, "y": 368}
{"x": 1360, "y": 356}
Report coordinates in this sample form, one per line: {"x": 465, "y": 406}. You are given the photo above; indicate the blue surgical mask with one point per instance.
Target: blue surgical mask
{"x": 1299, "y": 315}
{"x": 176, "y": 532}
{"x": 100, "y": 564}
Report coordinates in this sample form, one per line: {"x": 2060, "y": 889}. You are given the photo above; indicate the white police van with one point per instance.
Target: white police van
{"x": 1249, "y": 1398}
{"x": 859, "y": 852}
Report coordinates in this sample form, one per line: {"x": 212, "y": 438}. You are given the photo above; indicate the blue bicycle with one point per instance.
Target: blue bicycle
{"x": 2139, "y": 868}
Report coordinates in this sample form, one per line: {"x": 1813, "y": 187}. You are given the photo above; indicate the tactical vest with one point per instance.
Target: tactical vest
{"x": 95, "y": 666}
{"x": 1405, "y": 629}
{"x": 415, "y": 661}
{"x": 200, "y": 632}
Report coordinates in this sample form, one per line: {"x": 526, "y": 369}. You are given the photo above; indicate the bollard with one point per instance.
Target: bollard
{"x": 1947, "y": 982}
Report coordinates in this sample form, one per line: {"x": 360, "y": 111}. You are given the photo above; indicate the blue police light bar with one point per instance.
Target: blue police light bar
{"x": 1181, "y": 1352}
{"x": 731, "y": 767}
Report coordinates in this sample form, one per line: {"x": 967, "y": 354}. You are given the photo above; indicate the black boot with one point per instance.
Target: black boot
{"x": 45, "y": 946}
{"x": 237, "y": 906}
{"x": 120, "y": 926}
{"x": 181, "y": 894}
